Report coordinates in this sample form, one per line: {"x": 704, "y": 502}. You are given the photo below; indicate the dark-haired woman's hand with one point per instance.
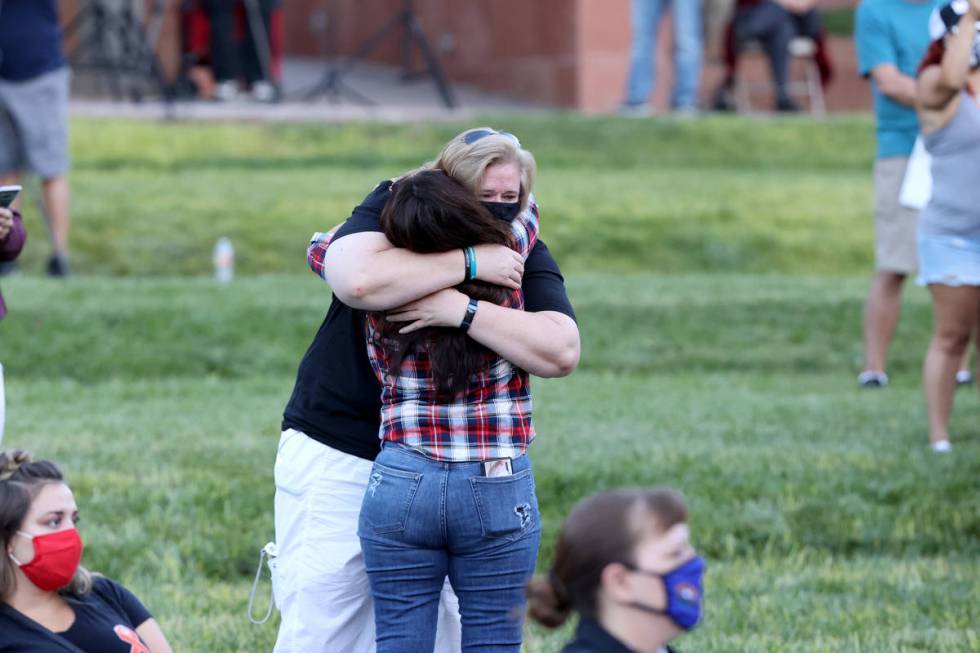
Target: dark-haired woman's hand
{"x": 500, "y": 265}
{"x": 444, "y": 308}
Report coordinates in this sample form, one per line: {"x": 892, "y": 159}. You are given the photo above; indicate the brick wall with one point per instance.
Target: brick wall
{"x": 569, "y": 53}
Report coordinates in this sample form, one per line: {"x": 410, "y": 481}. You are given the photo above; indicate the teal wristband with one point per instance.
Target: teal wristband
{"x": 470, "y": 263}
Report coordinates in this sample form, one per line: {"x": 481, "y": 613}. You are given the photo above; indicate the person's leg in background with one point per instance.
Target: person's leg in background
{"x": 11, "y": 162}
{"x": 882, "y": 309}
{"x": 810, "y": 25}
{"x": 256, "y": 57}
{"x": 688, "y": 51}
{"x": 35, "y": 122}
{"x": 964, "y": 376}
{"x": 56, "y": 198}
{"x": 955, "y": 314}
{"x": 895, "y": 258}
{"x": 49, "y": 157}
{"x": 722, "y": 99}
{"x": 224, "y": 54}
{"x": 645, "y": 19}
{"x": 976, "y": 348}
{"x": 773, "y": 27}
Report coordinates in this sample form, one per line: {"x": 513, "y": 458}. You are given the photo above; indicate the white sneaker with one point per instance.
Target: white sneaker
{"x": 942, "y": 446}
{"x": 964, "y": 377}
{"x": 263, "y": 91}
{"x": 634, "y": 110}
{"x": 872, "y": 379}
{"x": 226, "y": 91}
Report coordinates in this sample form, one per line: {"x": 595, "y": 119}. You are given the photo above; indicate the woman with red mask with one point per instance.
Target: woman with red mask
{"x": 48, "y": 602}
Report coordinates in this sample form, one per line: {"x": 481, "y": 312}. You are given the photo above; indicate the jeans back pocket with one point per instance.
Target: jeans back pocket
{"x": 507, "y": 505}
{"x": 387, "y": 500}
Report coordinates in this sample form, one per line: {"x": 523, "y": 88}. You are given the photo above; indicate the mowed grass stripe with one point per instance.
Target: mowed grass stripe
{"x": 727, "y": 194}
{"x": 630, "y": 324}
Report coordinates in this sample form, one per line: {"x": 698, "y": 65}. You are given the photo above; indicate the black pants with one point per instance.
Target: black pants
{"x": 228, "y": 61}
{"x": 774, "y": 27}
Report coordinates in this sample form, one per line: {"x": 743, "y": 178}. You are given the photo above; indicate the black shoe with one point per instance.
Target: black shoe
{"x": 8, "y": 267}
{"x": 58, "y": 266}
{"x": 786, "y": 105}
{"x": 722, "y": 100}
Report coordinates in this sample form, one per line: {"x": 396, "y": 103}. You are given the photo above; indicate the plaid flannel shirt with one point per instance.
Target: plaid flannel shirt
{"x": 490, "y": 419}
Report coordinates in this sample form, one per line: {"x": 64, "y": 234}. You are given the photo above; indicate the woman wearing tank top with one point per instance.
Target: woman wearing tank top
{"x": 949, "y": 227}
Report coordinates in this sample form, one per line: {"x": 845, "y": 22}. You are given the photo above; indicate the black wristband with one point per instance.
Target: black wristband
{"x": 468, "y": 318}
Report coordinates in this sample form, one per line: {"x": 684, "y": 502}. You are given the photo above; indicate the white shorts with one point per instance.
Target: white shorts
{"x": 319, "y": 581}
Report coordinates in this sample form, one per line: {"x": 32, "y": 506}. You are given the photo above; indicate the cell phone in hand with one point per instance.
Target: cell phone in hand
{"x": 7, "y": 195}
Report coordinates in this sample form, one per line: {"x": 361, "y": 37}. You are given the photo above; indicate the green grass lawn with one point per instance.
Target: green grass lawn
{"x": 718, "y": 270}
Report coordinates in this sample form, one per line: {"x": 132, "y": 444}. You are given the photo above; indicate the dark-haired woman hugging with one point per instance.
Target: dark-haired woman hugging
{"x": 624, "y": 563}
{"x": 452, "y": 492}
{"x": 48, "y": 602}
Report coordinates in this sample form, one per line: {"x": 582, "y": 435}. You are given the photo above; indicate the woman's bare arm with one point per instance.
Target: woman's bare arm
{"x": 366, "y": 271}
{"x": 546, "y": 343}
{"x": 940, "y": 84}
{"x": 150, "y": 632}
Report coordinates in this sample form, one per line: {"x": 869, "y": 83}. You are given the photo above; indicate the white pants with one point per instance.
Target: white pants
{"x": 318, "y": 579}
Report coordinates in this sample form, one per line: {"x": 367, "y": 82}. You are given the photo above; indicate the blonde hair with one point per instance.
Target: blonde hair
{"x": 467, "y": 162}
{"x": 21, "y": 480}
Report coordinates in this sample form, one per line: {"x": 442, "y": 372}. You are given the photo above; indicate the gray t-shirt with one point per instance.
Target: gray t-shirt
{"x": 954, "y": 209}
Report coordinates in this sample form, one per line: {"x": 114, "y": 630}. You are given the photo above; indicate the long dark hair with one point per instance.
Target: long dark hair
{"x": 429, "y": 212}
{"x": 602, "y": 529}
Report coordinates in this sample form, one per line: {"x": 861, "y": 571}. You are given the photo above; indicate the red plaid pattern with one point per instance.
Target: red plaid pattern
{"x": 490, "y": 419}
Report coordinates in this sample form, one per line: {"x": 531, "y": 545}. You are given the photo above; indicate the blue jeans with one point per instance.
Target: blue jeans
{"x": 422, "y": 520}
{"x": 646, "y": 18}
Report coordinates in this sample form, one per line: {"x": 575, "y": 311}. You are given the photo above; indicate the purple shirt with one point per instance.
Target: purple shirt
{"x": 9, "y": 249}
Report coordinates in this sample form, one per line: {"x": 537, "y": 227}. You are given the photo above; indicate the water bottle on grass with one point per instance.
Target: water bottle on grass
{"x": 224, "y": 261}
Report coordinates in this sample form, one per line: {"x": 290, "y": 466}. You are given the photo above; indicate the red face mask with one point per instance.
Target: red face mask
{"x": 56, "y": 558}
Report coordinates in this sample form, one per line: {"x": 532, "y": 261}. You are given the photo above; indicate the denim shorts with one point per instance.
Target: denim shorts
{"x": 949, "y": 260}
{"x": 423, "y": 519}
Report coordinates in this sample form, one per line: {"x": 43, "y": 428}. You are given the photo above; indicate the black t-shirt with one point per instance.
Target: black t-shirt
{"x": 30, "y": 39}
{"x": 590, "y": 637}
{"x": 106, "y": 620}
{"x": 337, "y": 397}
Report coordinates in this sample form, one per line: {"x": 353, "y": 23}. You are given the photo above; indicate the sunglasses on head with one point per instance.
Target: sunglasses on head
{"x": 477, "y": 134}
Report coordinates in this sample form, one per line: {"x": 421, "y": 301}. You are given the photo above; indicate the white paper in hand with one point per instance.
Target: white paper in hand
{"x": 917, "y": 185}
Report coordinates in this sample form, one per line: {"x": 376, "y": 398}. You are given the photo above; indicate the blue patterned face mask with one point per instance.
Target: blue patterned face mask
{"x": 684, "y": 592}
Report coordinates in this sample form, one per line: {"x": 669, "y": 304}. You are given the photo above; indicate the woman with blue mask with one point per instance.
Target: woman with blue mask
{"x": 624, "y": 562}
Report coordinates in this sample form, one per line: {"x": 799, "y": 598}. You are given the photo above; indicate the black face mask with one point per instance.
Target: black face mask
{"x": 504, "y": 210}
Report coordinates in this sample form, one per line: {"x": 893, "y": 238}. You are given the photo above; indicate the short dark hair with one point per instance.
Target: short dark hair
{"x": 430, "y": 212}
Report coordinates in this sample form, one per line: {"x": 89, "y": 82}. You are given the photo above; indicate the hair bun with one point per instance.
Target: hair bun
{"x": 11, "y": 461}
{"x": 548, "y": 601}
